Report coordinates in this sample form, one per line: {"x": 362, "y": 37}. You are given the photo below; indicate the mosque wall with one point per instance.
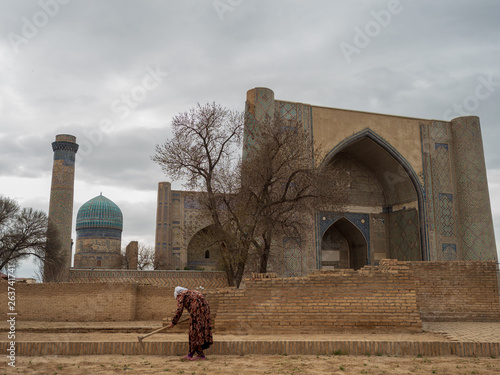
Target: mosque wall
{"x": 332, "y": 126}
{"x": 179, "y": 217}
{"x": 419, "y": 185}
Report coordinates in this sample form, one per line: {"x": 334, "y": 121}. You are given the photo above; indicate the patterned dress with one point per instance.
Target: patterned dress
{"x": 200, "y": 328}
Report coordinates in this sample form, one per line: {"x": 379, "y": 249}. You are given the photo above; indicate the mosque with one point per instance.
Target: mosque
{"x": 99, "y": 225}
{"x": 417, "y": 191}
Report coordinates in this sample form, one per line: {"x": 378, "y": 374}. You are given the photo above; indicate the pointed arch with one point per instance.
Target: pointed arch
{"x": 343, "y": 245}
{"x": 201, "y": 249}
{"x": 369, "y": 134}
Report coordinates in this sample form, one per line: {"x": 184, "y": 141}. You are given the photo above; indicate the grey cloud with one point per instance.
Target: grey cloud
{"x": 66, "y": 78}
{"x": 25, "y": 156}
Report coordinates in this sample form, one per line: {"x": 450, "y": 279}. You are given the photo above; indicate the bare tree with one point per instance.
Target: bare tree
{"x": 281, "y": 187}
{"x": 146, "y": 257}
{"x": 205, "y": 142}
{"x": 255, "y": 200}
{"x": 26, "y": 232}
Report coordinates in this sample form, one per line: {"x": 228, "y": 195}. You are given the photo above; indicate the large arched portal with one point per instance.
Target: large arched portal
{"x": 378, "y": 182}
{"x": 343, "y": 246}
{"x": 202, "y": 250}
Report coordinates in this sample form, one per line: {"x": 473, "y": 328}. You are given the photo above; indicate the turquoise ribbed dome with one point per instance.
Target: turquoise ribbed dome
{"x": 99, "y": 212}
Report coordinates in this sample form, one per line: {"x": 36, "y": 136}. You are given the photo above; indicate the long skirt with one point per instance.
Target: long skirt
{"x": 200, "y": 328}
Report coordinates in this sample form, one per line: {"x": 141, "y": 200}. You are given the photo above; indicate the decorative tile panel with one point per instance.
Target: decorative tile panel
{"x": 446, "y": 219}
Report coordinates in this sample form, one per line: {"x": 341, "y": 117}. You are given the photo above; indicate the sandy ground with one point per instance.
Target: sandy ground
{"x": 179, "y": 336}
{"x": 240, "y": 365}
{"x": 252, "y": 364}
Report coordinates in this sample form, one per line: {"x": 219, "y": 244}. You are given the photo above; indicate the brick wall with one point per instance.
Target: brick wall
{"x": 155, "y": 302}
{"x": 167, "y": 278}
{"x": 90, "y": 302}
{"x": 321, "y": 302}
{"x": 458, "y": 291}
{"x": 73, "y": 302}
{"x": 395, "y": 295}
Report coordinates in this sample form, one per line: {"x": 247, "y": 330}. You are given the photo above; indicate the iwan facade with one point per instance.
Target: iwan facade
{"x": 416, "y": 190}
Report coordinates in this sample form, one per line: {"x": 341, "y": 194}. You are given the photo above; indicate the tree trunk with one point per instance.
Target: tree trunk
{"x": 241, "y": 265}
{"x": 264, "y": 258}
{"x": 265, "y": 252}
{"x": 228, "y": 268}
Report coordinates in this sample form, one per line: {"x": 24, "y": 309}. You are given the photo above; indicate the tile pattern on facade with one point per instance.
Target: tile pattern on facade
{"x": 446, "y": 223}
{"x": 404, "y": 241}
{"x": 441, "y": 165}
{"x": 430, "y": 227}
{"x": 449, "y": 252}
{"x": 476, "y": 225}
{"x": 292, "y": 257}
{"x": 440, "y": 191}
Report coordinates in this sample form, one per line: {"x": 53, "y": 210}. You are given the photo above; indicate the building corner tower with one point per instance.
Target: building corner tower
{"x": 61, "y": 203}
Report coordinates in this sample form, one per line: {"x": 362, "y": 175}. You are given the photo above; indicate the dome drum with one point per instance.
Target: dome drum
{"x": 99, "y": 232}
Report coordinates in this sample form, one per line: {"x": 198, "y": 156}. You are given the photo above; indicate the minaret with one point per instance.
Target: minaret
{"x": 477, "y": 236}
{"x": 61, "y": 200}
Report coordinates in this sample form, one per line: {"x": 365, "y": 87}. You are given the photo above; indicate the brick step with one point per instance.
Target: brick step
{"x": 267, "y": 347}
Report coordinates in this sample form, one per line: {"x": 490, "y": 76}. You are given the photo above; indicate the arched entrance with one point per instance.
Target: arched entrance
{"x": 378, "y": 181}
{"x": 201, "y": 250}
{"x": 343, "y": 246}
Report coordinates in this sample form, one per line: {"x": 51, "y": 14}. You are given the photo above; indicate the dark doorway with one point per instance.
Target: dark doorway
{"x": 343, "y": 246}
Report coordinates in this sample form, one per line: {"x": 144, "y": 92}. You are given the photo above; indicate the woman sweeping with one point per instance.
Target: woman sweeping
{"x": 200, "y": 329}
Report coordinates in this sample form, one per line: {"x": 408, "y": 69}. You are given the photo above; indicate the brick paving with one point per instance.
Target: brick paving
{"x": 465, "y": 331}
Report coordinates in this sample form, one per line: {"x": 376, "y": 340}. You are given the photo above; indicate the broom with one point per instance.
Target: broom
{"x": 164, "y": 326}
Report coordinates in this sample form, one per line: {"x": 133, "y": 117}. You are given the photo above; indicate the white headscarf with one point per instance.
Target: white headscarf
{"x": 178, "y": 290}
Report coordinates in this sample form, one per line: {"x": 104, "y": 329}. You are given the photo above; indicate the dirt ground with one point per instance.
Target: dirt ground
{"x": 252, "y": 364}
{"x": 183, "y": 336}
{"x": 240, "y": 365}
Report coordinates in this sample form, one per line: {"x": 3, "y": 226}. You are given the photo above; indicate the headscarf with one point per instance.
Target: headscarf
{"x": 178, "y": 290}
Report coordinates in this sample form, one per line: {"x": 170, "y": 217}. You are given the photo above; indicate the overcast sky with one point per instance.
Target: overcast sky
{"x": 113, "y": 73}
